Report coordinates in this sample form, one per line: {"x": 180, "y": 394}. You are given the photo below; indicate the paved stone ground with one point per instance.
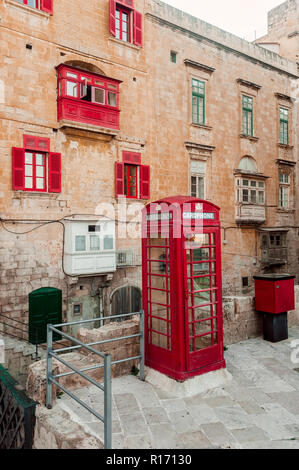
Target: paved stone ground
{"x": 258, "y": 409}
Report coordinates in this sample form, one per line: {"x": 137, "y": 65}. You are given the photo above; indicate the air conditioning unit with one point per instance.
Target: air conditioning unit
{"x": 124, "y": 258}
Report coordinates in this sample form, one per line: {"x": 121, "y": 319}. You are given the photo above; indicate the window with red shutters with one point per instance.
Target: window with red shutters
{"x": 125, "y": 23}
{"x": 131, "y": 178}
{"x": 35, "y": 170}
{"x": 44, "y": 5}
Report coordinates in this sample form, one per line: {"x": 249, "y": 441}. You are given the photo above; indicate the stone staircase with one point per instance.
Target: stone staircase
{"x": 18, "y": 357}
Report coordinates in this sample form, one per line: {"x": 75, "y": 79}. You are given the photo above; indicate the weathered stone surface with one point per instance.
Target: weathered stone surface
{"x": 54, "y": 430}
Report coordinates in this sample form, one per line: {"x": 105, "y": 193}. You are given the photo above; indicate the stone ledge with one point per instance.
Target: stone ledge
{"x": 28, "y": 9}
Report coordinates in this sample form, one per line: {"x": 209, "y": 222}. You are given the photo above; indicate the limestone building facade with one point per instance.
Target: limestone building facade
{"x": 134, "y": 98}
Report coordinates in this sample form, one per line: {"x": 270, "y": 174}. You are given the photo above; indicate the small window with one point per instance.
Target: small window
{"x": 198, "y": 170}
{"x": 284, "y": 190}
{"x": 251, "y": 191}
{"x": 108, "y": 242}
{"x": 94, "y": 228}
{"x": 284, "y": 126}
{"x": 198, "y": 101}
{"x": 77, "y": 309}
{"x": 247, "y": 115}
{"x": 80, "y": 243}
{"x": 45, "y": 5}
{"x": 131, "y": 181}
{"x": 173, "y": 57}
{"x": 94, "y": 243}
{"x": 122, "y": 24}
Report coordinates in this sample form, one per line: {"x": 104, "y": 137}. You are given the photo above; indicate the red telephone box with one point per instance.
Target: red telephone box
{"x": 182, "y": 289}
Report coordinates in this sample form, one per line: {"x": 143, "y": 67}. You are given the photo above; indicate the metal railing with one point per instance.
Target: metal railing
{"x": 23, "y": 337}
{"x": 106, "y": 387}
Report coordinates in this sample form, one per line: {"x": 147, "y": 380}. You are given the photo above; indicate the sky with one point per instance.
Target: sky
{"x": 246, "y": 19}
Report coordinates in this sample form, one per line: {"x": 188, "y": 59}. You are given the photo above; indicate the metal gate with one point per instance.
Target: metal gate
{"x": 17, "y": 415}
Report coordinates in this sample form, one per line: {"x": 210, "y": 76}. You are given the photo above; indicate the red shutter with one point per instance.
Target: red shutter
{"x": 132, "y": 157}
{"x": 112, "y": 8}
{"x": 127, "y": 3}
{"x": 137, "y": 28}
{"x": 18, "y": 164}
{"x": 54, "y": 172}
{"x": 144, "y": 182}
{"x": 47, "y": 6}
{"x": 119, "y": 179}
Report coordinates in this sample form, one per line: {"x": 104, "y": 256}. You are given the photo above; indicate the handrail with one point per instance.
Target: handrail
{"x": 106, "y": 388}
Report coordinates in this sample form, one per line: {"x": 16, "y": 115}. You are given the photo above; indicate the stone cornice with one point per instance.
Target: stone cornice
{"x": 286, "y": 162}
{"x": 248, "y": 84}
{"x": 197, "y": 65}
{"x": 204, "y": 148}
{"x": 283, "y": 97}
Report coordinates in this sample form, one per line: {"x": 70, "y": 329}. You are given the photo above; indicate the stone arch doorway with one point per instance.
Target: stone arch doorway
{"x": 45, "y": 306}
{"x": 126, "y": 299}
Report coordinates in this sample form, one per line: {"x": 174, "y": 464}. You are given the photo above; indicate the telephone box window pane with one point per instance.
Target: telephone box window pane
{"x": 201, "y": 283}
{"x": 80, "y": 243}
{"x": 94, "y": 243}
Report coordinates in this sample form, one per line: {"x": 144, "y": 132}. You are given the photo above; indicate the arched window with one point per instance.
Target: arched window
{"x": 125, "y": 300}
{"x": 248, "y": 164}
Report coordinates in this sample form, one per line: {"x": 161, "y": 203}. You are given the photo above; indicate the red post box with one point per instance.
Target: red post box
{"x": 274, "y": 297}
{"x": 274, "y": 293}
{"x": 182, "y": 290}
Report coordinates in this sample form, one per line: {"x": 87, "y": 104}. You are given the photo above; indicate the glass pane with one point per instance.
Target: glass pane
{"x": 40, "y": 171}
{"x": 39, "y": 159}
{"x": 71, "y": 89}
{"x": 111, "y": 99}
{"x": 40, "y": 183}
{"x": 28, "y": 170}
{"x": 80, "y": 243}
{"x": 28, "y": 157}
{"x": 94, "y": 242}
{"x": 99, "y": 95}
{"x": 28, "y": 183}
{"x": 108, "y": 242}
{"x": 72, "y": 75}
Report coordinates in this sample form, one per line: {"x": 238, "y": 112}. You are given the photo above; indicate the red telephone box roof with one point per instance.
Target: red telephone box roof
{"x": 184, "y": 200}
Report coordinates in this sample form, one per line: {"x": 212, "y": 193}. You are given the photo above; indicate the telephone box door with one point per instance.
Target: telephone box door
{"x": 158, "y": 253}
{"x": 203, "y": 299}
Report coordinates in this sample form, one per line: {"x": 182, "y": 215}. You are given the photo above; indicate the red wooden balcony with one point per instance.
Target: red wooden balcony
{"x": 87, "y": 98}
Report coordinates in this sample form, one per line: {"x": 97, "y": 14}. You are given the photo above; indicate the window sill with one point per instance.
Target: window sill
{"x": 249, "y": 137}
{"x": 285, "y": 146}
{"x": 280, "y": 210}
{"x": 201, "y": 126}
{"x": 32, "y": 194}
{"x": 125, "y": 43}
{"x": 28, "y": 9}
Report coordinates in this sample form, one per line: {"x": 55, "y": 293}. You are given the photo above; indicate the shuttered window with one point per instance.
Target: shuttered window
{"x": 131, "y": 178}
{"x": 33, "y": 170}
{"x": 44, "y": 5}
{"x": 125, "y": 23}
{"x": 284, "y": 126}
{"x": 247, "y": 115}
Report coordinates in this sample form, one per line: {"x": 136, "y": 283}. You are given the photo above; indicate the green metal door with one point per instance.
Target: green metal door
{"x": 45, "y": 306}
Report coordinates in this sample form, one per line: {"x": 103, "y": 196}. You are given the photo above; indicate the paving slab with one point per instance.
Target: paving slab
{"x": 257, "y": 409}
